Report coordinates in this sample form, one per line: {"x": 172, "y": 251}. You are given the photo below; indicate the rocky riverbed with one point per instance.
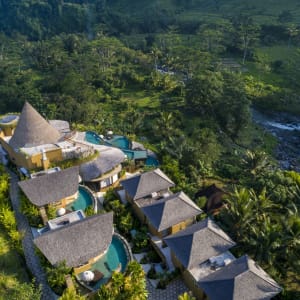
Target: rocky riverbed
{"x": 286, "y": 128}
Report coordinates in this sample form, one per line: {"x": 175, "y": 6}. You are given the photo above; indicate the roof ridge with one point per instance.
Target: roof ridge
{"x": 188, "y": 200}
{"x": 224, "y": 235}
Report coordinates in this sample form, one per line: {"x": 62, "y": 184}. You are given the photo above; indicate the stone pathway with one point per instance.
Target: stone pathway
{"x": 173, "y": 290}
{"x": 32, "y": 260}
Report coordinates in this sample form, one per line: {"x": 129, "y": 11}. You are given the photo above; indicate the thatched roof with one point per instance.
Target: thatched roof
{"x": 50, "y": 188}
{"x": 146, "y": 183}
{"x": 108, "y": 159}
{"x": 77, "y": 242}
{"x": 33, "y": 130}
{"x": 199, "y": 242}
{"x": 61, "y": 125}
{"x": 170, "y": 211}
{"x": 241, "y": 279}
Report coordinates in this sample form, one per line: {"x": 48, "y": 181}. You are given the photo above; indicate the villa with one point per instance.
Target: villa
{"x": 57, "y": 189}
{"x": 171, "y": 214}
{"x": 201, "y": 252}
{"x": 241, "y": 279}
{"x": 79, "y": 243}
{"x": 32, "y": 143}
{"x": 142, "y": 189}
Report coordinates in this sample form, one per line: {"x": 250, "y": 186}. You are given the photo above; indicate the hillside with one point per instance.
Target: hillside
{"x": 40, "y": 19}
{"x": 182, "y": 77}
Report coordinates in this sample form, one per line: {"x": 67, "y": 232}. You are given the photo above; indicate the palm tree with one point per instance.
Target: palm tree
{"x": 186, "y": 296}
{"x": 239, "y": 214}
{"x": 256, "y": 162}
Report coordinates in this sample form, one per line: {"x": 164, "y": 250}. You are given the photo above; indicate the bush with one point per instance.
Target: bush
{"x": 31, "y": 212}
{"x": 57, "y": 277}
{"x": 152, "y": 273}
{"x": 140, "y": 242}
{"x": 153, "y": 257}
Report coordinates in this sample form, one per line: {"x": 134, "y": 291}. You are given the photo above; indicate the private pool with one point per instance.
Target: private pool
{"x": 120, "y": 142}
{"x": 151, "y": 161}
{"x": 83, "y": 200}
{"x": 123, "y": 143}
{"x": 93, "y": 138}
{"x": 116, "y": 258}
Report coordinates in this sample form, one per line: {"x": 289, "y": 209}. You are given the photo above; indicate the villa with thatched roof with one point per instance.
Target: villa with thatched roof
{"x": 198, "y": 243}
{"x": 201, "y": 252}
{"x": 104, "y": 170}
{"x": 171, "y": 214}
{"x": 36, "y": 143}
{"x": 80, "y": 243}
{"x": 241, "y": 279}
{"x": 57, "y": 189}
{"x": 143, "y": 189}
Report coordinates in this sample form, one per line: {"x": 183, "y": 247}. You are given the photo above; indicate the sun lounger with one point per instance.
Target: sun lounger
{"x": 98, "y": 276}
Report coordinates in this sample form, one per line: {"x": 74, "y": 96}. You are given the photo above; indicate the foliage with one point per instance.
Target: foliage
{"x": 140, "y": 242}
{"x": 186, "y": 296}
{"x": 56, "y": 277}
{"x": 166, "y": 278}
{"x": 70, "y": 294}
{"x": 26, "y": 291}
{"x": 123, "y": 217}
{"x": 30, "y": 211}
{"x": 131, "y": 285}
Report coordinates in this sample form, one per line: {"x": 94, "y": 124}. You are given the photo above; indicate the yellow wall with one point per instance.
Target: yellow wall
{"x": 171, "y": 230}
{"x": 193, "y": 286}
{"x": 31, "y": 162}
{"x": 88, "y": 265}
{"x": 139, "y": 213}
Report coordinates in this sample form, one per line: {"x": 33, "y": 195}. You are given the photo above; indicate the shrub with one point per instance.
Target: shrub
{"x": 31, "y": 212}
{"x": 140, "y": 242}
{"x": 153, "y": 257}
{"x": 152, "y": 273}
{"x": 57, "y": 277}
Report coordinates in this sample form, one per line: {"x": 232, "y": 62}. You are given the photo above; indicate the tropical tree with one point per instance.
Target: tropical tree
{"x": 57, "y": 276}
{"x": 70, "y": 294}
{"x": 186, "y": 296}
{"x": 25, "y": 291}
{"x": 131, "y": 285}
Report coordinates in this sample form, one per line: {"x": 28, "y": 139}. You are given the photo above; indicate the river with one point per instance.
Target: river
{"x": 286, "y": 128}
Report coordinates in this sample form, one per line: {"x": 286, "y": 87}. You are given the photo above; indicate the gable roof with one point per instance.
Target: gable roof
{"x": 33, "y": 130}
{"x": 107, "y": 160}
{"x": 146, "y": 183}
{"x": 241, "y": 279}
{"x": 77, "y": 242}
{"x": 172, "y": 210}
{"x": 52, "y": 187}
{"x": 199, "y": 242}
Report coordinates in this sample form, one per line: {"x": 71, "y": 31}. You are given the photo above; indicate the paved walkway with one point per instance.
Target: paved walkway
{"x": 173, "y": 290}
{"x": 32, "y": 260}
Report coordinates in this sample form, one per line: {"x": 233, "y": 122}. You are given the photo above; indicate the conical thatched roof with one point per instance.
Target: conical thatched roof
{"x": 33, "y": 130}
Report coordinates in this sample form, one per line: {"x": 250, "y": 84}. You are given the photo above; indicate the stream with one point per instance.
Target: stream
{"x": 286, "y": 128}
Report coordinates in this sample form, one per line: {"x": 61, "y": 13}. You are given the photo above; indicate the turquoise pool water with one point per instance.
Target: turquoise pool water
{"x": 115, "y": 255}
{"x": 120, "y": 142}
{"x": 84, "y": 199}
{"x": 151, "y": 161}
{"x": 93, "y": 138}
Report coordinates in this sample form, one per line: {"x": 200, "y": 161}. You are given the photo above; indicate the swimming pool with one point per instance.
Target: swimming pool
{"x": 111, "y": 261}
{"x": 93, "y": 138}
{"x": 120, "y": 141}
{"x": 123, "y": 143}
{"x": 83, "y": 200}
{"x": 151, "y": 162}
